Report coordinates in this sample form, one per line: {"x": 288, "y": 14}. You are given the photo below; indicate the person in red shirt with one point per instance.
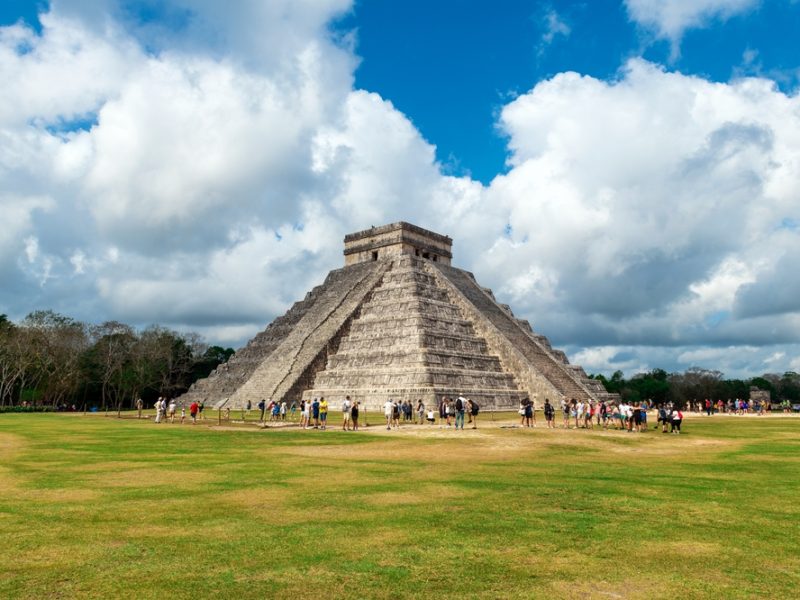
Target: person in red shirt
{"x": 193, "y": 411}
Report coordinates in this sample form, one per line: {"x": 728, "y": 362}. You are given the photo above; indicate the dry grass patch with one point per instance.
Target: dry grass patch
{"x": 628, "y": 589}
{"x": 676, "y": 551}
{"x": 134, "y": 478}
{"x": 422, "y": 494}
{"x": 11, "y": 445}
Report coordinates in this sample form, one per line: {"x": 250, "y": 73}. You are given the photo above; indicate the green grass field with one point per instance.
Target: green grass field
{"x": 104, "y": 507}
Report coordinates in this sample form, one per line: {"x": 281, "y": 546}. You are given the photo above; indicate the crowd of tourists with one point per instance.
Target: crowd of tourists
{"x": 737, "y": 406}
{"x": 456, "y": 412}
{"x": 577, "y": 414}
{"x": 166, "y": 410}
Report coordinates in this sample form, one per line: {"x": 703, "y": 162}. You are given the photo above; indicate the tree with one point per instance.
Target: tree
{"x": 58, "y": 342}
{"x": 789, "y": 387}
{"x": 211, "y": 359}
{"x": 110, "y": 355}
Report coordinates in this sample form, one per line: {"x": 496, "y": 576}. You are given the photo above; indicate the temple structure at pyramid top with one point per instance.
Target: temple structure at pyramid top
{"x": 395, "y": 240}
{"x": 397, "y": 321}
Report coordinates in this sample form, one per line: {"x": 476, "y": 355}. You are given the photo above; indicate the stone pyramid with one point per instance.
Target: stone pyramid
{"x": 397, "y": 322}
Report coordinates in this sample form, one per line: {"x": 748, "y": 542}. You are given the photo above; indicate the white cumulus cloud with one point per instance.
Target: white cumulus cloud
{"x": 669, "y": 19}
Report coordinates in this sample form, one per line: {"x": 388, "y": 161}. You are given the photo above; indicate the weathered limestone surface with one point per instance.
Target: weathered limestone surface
{"x": 410, "y": 341}
{"x": 397, "y": 322}
{"x": 289, "y": 367}
{"x": 540, "y": 369}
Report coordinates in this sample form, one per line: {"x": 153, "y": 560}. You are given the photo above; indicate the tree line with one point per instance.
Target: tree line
{"x": 51, "y": 360}
{"x": 696, "y": 384}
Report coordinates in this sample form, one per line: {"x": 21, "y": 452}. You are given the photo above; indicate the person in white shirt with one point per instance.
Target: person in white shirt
{"x": 346, "y": 406}
{"x": 388, "y": 411}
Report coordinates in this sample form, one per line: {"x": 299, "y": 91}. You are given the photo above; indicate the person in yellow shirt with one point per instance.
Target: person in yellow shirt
{"x": 323, "y": 412}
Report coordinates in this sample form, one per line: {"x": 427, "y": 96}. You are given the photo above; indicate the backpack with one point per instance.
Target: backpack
{"x": 459, "y": 404}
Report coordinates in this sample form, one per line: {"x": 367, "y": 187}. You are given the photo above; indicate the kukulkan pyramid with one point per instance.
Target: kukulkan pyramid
{"x": 398, "y": 321}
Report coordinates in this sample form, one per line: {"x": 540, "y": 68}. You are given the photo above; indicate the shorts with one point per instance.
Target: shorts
{"x": 345, "y": 416}
{"x": 323, "y": 416}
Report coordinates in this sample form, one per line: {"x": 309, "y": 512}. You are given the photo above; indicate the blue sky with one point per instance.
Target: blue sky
{"x": 450, "y": 65}
{"x": 624, "y": 173}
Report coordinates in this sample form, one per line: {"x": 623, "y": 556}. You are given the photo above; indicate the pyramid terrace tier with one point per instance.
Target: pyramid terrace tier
{"x": 438, "y": 309}
{"x": 396, "y": 322}
{"x": 427, "y": 376}
{"x": 405, "y": 291}
{"x": 425, "y": 340}
{"x": 410, "y": 357}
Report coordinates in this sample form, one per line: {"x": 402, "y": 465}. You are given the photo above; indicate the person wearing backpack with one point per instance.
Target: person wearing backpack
{"x": 549, "y": 414}
{"x": 460, "y": 408}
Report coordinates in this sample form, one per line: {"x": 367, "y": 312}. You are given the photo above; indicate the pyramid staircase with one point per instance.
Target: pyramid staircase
{"x": 410, "y": 341}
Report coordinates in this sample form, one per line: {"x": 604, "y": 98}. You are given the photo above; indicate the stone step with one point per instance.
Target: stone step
{"x": 530, "y": 361}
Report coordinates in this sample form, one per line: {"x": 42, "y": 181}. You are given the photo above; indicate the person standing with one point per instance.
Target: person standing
{"x": 549, "y": 414}
{"x": 354, "y": 415}
{"x": 183, "y": 413}
{"x": 396, "y": 415}
{"x": 275, "y": 415}
{"x": 677, "y": 419}
{"x": 388, "y": 412}
{"x": 443, "y": 411}
{"x": 283, "y": 410}
{"x": 171, "y": 411}
{"x": 158, "y": 410}
{"x": 460, "y": 409}
{"x": 315, "y": 412}
{"x": 347, "y": 406}
{"x": 323, "y": 412}
{"x": 194, "y": 408}
{"x": 139, "y": 407}
{"x": 262, "y": 407}
{"x": 200, "y": 408}
{"x": 304, "y": 414}
{"x": 474, "y": 409}
{"x": 421, "y": 411}
{"x": 565, "y": 411}
{"x": 528, "y": 413}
